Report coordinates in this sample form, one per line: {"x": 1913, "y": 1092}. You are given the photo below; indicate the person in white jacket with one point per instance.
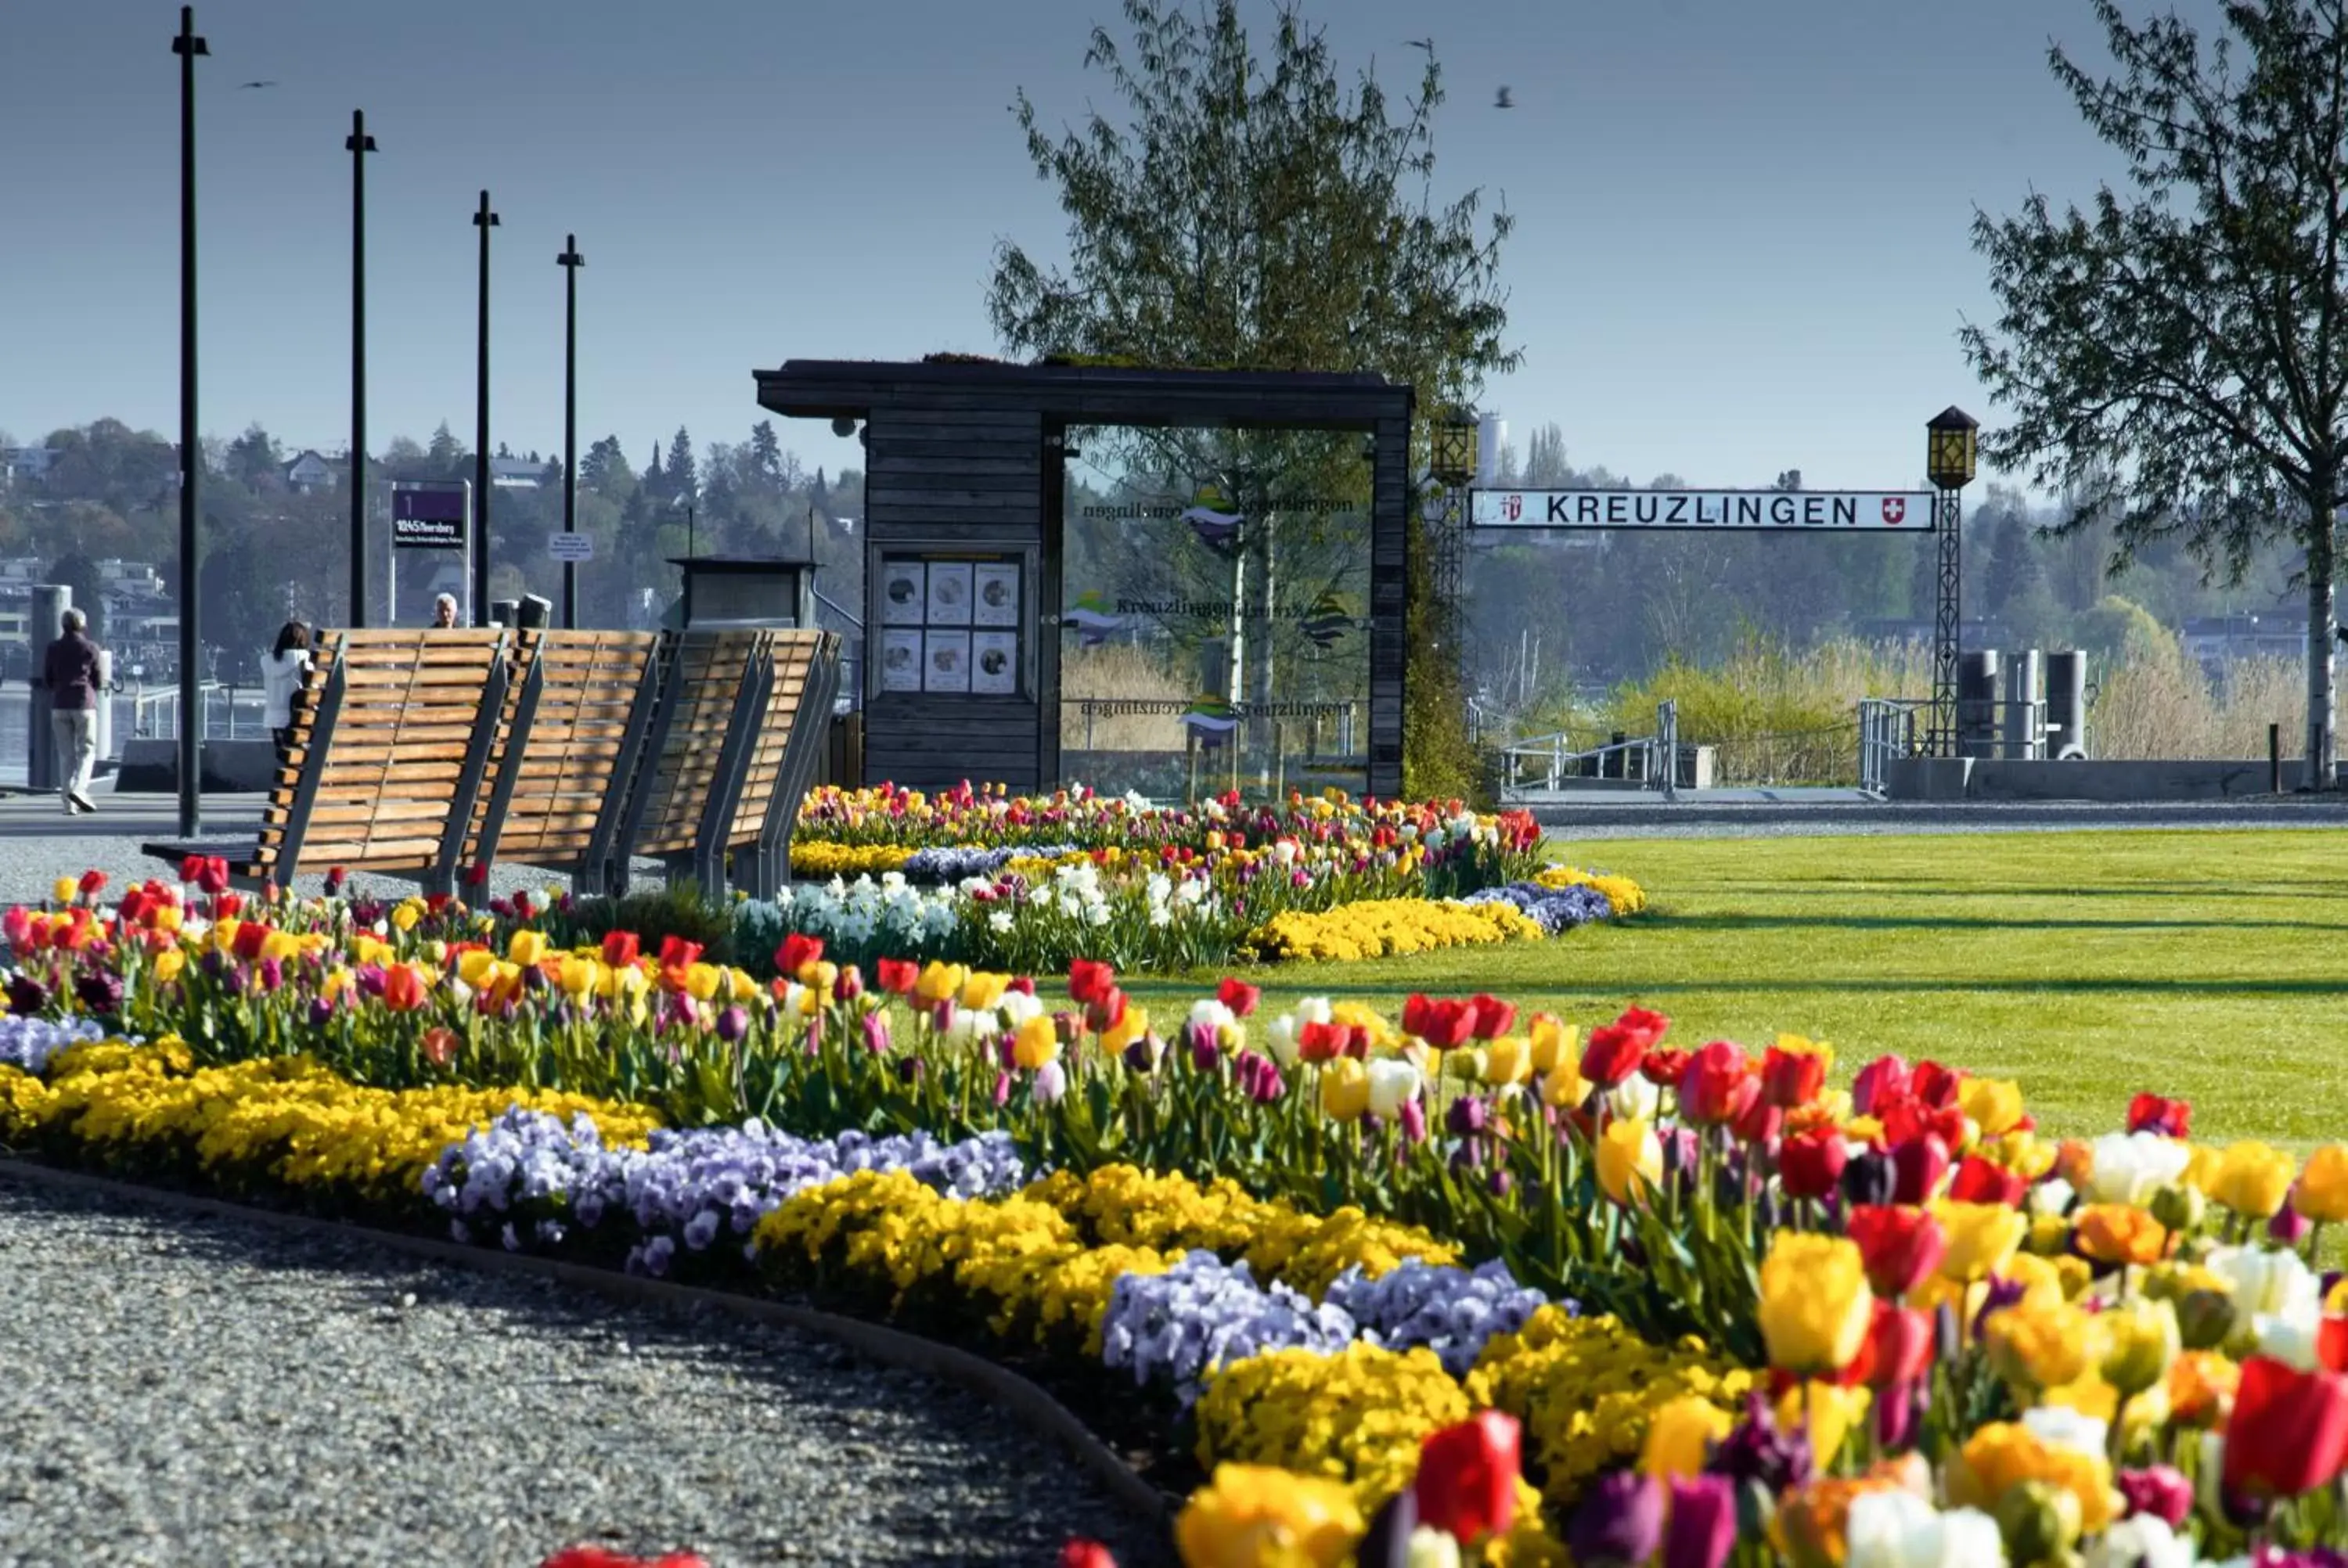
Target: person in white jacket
{"x": 282, "y": 670}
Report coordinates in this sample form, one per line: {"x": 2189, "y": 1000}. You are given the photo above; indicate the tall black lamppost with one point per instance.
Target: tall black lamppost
{"x": 187, "y": 46}
{"x": 358, "y": 144}
{"x": 484, "y": 219}
{"x": 571, "y": 261}
{"x": 1949, "y": 444}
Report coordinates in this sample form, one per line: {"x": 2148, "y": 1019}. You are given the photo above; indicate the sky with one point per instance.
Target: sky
{"x": 1742, "y": 246}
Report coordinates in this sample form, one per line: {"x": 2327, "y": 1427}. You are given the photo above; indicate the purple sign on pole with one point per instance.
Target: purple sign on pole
{"x": 429, "y": 519}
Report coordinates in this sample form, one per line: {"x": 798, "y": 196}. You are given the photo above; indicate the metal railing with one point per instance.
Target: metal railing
{"x": 1886, "y": 729}
{"x": 1544, "y": 762}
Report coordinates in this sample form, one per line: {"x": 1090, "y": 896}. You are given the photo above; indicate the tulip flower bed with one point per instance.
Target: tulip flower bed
{"x": 1728, "y": 1310}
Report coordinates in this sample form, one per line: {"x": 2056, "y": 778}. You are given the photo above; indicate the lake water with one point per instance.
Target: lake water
{"x": 241, "y": 709}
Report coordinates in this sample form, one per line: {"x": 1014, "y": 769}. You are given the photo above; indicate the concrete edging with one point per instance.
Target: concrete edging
{"x": 892, "y": 1347}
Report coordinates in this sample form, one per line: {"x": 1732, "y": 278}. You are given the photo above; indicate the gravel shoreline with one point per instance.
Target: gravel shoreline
{"x": 181, "y": 1388}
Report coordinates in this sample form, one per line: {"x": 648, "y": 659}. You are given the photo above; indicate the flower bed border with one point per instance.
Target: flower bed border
{"x": 999, "y": 1386}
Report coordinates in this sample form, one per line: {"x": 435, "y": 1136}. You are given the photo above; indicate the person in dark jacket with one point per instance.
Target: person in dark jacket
{"x": 69, "y": 673}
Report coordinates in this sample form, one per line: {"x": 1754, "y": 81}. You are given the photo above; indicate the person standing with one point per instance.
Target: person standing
{"x": 69, "y": 673}
{"x": 444, "y": 612}
{"x": 282, "y": 670}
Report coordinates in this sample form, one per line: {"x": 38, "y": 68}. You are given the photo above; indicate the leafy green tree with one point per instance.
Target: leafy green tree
{"x": 2178, "y": 356}
{"x": 1259, "y": 213}
{"x": 681, "y": 474}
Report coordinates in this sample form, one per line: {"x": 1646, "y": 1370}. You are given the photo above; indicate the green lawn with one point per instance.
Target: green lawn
{"x": 2089, "y": 965}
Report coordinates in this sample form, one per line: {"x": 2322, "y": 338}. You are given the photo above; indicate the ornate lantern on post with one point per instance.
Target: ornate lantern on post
{"x": 1454, "y": 455}
{"x": 1951, "y": 439}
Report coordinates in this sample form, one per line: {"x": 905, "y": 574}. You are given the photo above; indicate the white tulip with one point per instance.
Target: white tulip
{"x": 2129, "y": 1167}
{"x": 1315, "y": 1009}
{"x": 2140, "y": 1540}
{"x": 1635, "y": 1098}
{"x": 1280, "y": 1039}
{"x": 2066, "y": 1429}
{"x": 2268, "y": 1284}
{"x": 1391, "y": 1083}
{"x": 1894, "y": 1529}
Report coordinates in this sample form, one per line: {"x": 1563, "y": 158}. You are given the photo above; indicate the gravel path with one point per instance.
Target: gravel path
{"x": 180, "y": 1389}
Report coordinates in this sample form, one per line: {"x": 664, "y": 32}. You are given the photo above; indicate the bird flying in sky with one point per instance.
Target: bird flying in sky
{"x": 243, "y": 86}
{"x": 1506, "y": 100}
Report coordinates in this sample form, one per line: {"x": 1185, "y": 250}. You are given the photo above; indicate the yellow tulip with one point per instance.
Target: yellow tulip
{"x": 2035, "y": 1348}
{"x": 367, "y": 949}
{"x": 2323, "y": 1193}
{"x": 1680, "y": 1436}
{"x": 474, "y": 967}
{"x": 1255, "y": 1514}
{"x": 2004, "y": 1454}
{"x": 701, "y": 981}
{"x": 939, "y": 982}
{"x": 2252, "y": 1179}
{"x": 282, "y": 946}
{"x": 404, "y": 915}
{"x": 982, "y": 990}
{"x": 1982, "y": 1238}
{"x": 167, "y": 965}
{"x": 1814, "y": 1304}
{"x": 1553, "y": 1040}
{"x": 1508, "y": 1060}
{"x": 1563, "y": 1086}
{"x": 225, "y": 935}
{"x": 1344, "y": 1089}
{"x": 1630, "y": 1157}
{"x": 1832, "y": 1411}
{"x": 527, "y": 949}
{"x": 2143, "y": 1343}
{"x": 1125, "y": 1029}
{"x": 1037, "y": 1042}
{"x": 1995, "y": 1104}
{"x": 63, "y": 890}
{"x": 578, "y": 976}
{"x": 741, "y": 987}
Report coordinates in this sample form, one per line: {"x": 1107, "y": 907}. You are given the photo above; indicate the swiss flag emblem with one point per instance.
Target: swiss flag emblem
{"x": 1895, "y": 510}
{"x": 1512, "y": 506}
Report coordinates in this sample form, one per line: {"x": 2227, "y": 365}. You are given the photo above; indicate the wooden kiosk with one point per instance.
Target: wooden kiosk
{"x": 964, "y": 494}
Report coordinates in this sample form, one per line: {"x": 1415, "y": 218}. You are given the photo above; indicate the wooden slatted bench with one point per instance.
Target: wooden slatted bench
{"x": 580, "y": 707}
{"x": 804, "y": 678}
{"x": 391, "y": 752}
{"x": 682, "y": 804}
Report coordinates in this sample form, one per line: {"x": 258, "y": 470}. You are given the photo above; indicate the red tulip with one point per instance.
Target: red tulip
{"x": 93, "y": 882}
{"x": 798, "y": 953}
{"x": 1980, "y": 1180}
{"x": 1615, "y": 1050}
{"x": 1900, "y": 1344}
{"x": 1493, "y": 1017}
{"x": 1082, "y": 1554}
{"x": 1810, "y": 1165}
{"x": 2289, "y": 1431}
{"x": 2151, "y": 1114}
{"x": 1717, "y": 1085}
{"x": 213, "y": 876}
{"x": 1760, "y": 1123}
{"x": 1935, "y": 1085}
{"x": 1468, "y": 1477}
{"x": 2331, "y": 1343}
{"x": 1238, "y": 996}
{"x": 1880, "y": 1083}
{"x": 1321, "y": 1041}
{"x": 403, "y": 989}
{"x": 1904, "y": 1120}
{"x": 677, "y": 953}
{"x": 1917, "y": 1167}
{"x": 1790, "y": 1078}
{"x": 192, "y": 866}
{"x": 620, "y": 948}
{"x": 1901, "y": 1247}
{"x": 602, "y": 1557}
{"x": 1443, "y": 1023}
{"x": 1089, "y": 981}
{"x": 1663, "y": 1068}
{"x": 898, "y": 975}
{"x": 249, "y": 938}
{"x": 336, "y": 878}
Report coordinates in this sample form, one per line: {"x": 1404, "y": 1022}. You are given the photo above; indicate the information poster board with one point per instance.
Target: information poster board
{"x": 953, "y": 624}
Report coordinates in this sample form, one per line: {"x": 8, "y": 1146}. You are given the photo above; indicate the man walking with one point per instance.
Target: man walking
{"x": 70, "y": 671}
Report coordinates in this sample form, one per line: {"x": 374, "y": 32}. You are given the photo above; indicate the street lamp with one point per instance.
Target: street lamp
{"x": 1950, "y": 437}
{"x": 484, "y": 219}
{"x": 188, "y": 45}
{"x": 571, "y": 261}
{"x": 1454, "y": 449}
{"x": 358, "y": 144}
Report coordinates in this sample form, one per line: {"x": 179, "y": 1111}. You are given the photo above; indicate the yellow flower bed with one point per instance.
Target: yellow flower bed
{"x": 817, "y": 861}
{"x": 288, "y": 1119}
{"x": 1041, "y": 1264}
{"x": 1124, "y": 1206}
{"x": 1625, "y": 896}
{"x": 1386, "y": 927}
{"x": 1585, "y": 1388}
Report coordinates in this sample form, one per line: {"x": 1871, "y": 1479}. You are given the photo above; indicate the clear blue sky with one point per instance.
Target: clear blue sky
{"x": 1742, "y": 241}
